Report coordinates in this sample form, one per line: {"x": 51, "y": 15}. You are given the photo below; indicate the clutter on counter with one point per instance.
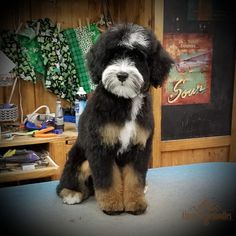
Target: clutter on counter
{"x": 23, "y": 159}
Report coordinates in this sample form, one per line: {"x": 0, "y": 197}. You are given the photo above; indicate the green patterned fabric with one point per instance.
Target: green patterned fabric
{"x": 80, "y": 40}
{"x": 10, "y": 45}
{"x": 30, "y": 49}
{"x": 60, "y": 76}
{"x": 59, "y": 57}
{"x": 78, "y": 59}
{"x": 94, "y": 32}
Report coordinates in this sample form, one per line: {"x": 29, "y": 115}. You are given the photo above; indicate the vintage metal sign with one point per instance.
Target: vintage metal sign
{"x": 189, "y": 81}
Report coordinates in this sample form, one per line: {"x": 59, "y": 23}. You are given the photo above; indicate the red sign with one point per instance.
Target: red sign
{"x": 189, "y": 81}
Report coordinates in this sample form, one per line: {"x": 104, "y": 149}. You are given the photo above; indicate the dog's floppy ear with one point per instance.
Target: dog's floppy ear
{"x": 161, "y": 63}
{"x": 99, "y": 54}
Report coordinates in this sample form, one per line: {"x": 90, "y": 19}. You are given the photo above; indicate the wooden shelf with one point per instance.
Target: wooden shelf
{"x": 17, "y": 175}
{"x": 22, "y": 140}
{"x": 29, "y": 140}
{"x": 57, "y": 147}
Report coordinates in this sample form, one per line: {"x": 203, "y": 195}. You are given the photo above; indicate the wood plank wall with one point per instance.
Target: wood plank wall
{"x": 185, "y": 151}
{"x": 232, "y": 156}
{"x": 67, "y": 13}
{"x": 145, "y": 12}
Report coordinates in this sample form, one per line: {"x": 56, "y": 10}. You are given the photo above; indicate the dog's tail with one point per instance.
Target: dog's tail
{"x": 76, "y": 176}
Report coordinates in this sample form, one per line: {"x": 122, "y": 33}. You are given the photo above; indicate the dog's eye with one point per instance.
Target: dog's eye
{"x": 137, "y": 55}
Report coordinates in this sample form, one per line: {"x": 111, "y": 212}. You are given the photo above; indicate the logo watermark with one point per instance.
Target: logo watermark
{"x": 207, "y": 211}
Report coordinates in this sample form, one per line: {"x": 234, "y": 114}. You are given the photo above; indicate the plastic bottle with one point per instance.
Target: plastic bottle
{"x": 59, "y": 119}
{"x": 80, "y": 103}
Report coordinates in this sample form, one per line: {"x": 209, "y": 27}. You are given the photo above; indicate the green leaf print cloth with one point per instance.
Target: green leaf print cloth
{"x": 80, "y": 41}
{"x": 11, "y": 46}
{"x": 60, "y": 77}
{"x": 30, "y": 49}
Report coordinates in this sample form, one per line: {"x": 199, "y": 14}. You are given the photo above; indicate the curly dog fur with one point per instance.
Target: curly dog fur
{"x": 111, "y": 155}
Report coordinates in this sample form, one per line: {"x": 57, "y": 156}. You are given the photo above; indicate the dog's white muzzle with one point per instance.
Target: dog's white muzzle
{"x": 122, "y": 78}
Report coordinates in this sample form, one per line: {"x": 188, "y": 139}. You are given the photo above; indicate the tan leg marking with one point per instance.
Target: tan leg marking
{"x": 141, "y": 136}
{"x": 134, "y": 199}
{"x": 111, "y": 200}
{"x": 84, "y": 172}
{"x": 110, "y": 134}
{"x": 70, "y": 196}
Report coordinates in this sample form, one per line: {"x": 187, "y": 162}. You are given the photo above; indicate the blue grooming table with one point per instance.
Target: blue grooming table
{"x": 196, "y": 199}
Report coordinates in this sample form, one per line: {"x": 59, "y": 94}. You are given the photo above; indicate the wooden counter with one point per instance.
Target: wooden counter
{"x": 57, "y": 148}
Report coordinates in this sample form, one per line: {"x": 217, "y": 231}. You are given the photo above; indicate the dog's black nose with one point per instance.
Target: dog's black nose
{"x": 122, "y": 76}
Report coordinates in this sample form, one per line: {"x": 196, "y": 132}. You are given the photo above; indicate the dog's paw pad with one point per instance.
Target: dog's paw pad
{"x": 71, "y": 199}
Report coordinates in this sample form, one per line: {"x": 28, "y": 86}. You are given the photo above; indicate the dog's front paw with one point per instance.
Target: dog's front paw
{"x": 115, "y": 209}
{"x": 111, "y": 203}
{"x": 71, "y": 197}
{"x": 135, "y": 206}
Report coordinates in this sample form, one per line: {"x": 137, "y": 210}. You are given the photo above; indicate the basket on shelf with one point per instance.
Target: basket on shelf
{"x": 8, "y": 113}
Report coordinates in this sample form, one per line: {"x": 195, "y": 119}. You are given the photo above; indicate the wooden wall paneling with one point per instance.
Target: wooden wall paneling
{"x": 146, "y": 13}
{"x": 75, "y": 13}
{"x": 195, "y": 143}
{"x": 158, "y": 15}
{"x": 130, "y": 11}
{"x": 232, "y": 155}
{"x": 7, "y": 10}
{"x": 217, "y": 154}
{"x": 135, "y": 12}
{"x": 57, "y": 147}
{"x": 11, "y": 18}
{"x": 27, "y": 90}
{"x": 44, "y": 8}
{"x": 45, "y": 97}
{"x": 121, "y": 11}
{"x": 24, "y": 11}
{"x": 78, "y": 11}
{"x": 149, "y": 13}
{"x": 175, "y": 158}
{"x": 94, "y": 10}
{"x": 184, "y": 157}
{"x": 59, "y": 12}
{"x": 115, "y": 10}
{"x": 1, "y": 95}
{"x": 6, "y": 94}
{"x": 197, "y": 150}
{"x": 63, "y": 11}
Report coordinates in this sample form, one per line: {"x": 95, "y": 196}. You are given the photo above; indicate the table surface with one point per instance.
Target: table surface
{"x": 195, "y": 199}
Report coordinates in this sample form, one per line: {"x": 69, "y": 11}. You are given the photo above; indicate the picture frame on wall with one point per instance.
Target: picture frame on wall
{"x": 189, "y": 81}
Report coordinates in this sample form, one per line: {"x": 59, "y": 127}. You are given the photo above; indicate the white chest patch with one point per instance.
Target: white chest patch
{"x": 128, "y": 132}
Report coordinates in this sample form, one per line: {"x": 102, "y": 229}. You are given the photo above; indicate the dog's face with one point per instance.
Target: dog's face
{"x": 126, "y": 73}
{"x": 127, "y": 59}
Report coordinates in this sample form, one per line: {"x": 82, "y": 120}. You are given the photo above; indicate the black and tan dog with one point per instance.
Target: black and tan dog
{"x": 111, "y": 154}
